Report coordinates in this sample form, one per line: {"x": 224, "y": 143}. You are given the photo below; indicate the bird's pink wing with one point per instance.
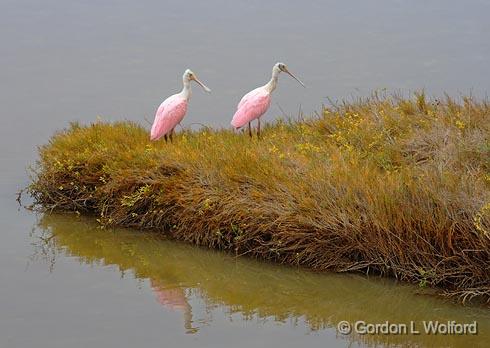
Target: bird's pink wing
{"x": 253, "y": 105}
{"x": 248, "y": 96}
{"x": 169, "y": 114}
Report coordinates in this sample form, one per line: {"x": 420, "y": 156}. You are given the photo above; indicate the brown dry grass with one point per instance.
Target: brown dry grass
{"x": 387, "y": 185}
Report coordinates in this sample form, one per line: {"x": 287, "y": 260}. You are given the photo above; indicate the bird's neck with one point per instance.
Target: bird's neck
{"x": 272, "y": 84}
{"x": 186, "y": 90}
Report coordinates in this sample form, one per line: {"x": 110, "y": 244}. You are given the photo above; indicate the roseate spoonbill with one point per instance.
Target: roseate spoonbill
{"x": 256, "y": 102}
{"x": 171, "y": 112}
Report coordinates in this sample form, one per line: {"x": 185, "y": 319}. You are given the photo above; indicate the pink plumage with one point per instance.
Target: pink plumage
{"x": 172, "y": 111}
{"x": 253, "y": 105}
{"x": 169, "y": 114}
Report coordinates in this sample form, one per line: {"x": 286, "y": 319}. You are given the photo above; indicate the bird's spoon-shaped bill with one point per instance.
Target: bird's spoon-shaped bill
{"x": 202, "y": 84}
{"x": 294, "y": 77}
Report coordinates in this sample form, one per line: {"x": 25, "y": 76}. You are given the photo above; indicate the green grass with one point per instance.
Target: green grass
{"x": 384, "y": 185}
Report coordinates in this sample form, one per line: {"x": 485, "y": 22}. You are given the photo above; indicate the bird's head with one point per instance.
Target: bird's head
{"x": 190, "y": 76}
{"x": 281, "y": 67}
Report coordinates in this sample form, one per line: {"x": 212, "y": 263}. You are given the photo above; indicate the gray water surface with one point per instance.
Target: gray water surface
{"x": 63, "y": 61}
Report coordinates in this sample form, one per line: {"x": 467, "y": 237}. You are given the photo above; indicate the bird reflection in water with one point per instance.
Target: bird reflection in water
{"x": 174, "y": 298}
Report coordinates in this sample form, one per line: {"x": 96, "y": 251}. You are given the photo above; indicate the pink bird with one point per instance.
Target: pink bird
{"x": 256, "y": 102}
{"x": 172, "y": 111}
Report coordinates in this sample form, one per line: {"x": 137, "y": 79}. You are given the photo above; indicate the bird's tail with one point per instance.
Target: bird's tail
{"x": 237, "y": 121}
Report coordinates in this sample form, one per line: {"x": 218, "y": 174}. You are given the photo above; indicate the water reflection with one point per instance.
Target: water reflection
{"x": 184, "y": 276}
{"x": 174, "y": 298}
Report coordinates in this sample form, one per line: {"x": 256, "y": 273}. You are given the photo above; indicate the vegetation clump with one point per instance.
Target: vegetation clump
{"x": 386, "y": 185}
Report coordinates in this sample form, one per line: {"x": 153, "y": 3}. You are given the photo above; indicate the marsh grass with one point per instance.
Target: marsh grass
{"x": 386, "y": 185}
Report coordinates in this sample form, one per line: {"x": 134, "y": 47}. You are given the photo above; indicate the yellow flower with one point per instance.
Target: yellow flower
{"x": 273, "y": 149}
{"x": 307, "y": 147}
{"x": 460, "y": 124}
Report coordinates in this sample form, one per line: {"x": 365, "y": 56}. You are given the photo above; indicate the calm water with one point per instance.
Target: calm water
{"x": 62, "y": 61}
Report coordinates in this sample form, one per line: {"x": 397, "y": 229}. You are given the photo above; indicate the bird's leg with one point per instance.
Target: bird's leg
{"x": 249, "y": 130}
{"x": 258, "y": 128}
{"x": 165, "y": 137}
{"x": 172, "y": 135}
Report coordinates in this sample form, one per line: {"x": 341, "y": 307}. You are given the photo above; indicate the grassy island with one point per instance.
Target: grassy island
{"x": 385, "y": 185}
